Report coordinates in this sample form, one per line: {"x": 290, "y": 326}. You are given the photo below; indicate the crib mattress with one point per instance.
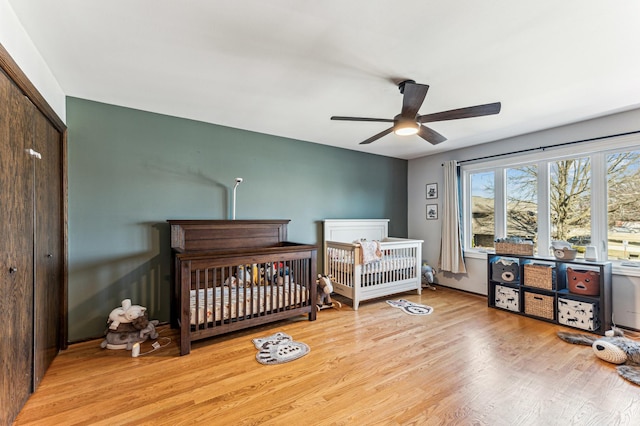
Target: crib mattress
{"x": 239, "y": 302}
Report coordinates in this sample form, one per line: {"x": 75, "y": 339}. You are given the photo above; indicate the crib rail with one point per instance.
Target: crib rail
{"x": 222, "y": 292}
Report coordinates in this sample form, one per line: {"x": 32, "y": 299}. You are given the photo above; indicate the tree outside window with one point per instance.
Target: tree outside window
{"x": 570, "y": 202}
{"x": 522, "y": 202}
{"x": 623, "y": 205}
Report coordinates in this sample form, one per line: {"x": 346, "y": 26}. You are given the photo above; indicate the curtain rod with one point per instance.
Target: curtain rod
{"x": 542, "y": 148}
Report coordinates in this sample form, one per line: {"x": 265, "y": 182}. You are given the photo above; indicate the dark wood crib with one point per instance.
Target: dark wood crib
{"x": 233, "y": 274}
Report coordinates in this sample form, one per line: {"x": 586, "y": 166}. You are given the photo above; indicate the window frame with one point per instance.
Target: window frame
{"x": 596, "y": 150}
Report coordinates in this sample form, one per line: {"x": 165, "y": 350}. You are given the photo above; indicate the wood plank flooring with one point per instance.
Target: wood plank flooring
{"x": 465, "y": 364}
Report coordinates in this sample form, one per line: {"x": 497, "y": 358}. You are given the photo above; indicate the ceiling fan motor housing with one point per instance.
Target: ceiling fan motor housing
{"x": 402, "y": 83}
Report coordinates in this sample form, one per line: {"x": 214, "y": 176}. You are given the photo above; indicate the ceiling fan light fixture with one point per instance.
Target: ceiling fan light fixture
{"x": 406, "y": 128}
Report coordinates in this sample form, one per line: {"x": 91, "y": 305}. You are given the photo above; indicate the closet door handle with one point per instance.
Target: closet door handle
{"x": 13, "y": 270}
{"x": 49, "y": 255}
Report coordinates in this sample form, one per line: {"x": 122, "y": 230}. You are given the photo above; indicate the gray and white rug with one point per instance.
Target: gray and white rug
{"x": 278, "y": 349}
{"x": 410, "y": 307}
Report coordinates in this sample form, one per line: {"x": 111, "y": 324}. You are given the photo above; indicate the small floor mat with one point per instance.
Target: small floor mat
{"x": 278, "y": 349}
{"x": 410, "y": 307}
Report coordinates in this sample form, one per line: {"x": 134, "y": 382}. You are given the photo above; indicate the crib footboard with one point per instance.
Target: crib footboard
{"x": 220, "y": 292}
{"x": 397, "y": 271}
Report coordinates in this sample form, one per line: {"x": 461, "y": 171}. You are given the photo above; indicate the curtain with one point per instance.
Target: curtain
{"x": 451, "y": 257}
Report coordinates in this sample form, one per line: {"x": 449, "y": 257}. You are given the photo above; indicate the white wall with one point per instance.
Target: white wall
{"x": 16, "y": 41}
{"x": 421, "y": 171}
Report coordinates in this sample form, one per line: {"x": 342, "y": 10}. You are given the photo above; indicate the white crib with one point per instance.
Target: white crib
{"x": 397, "y": 271}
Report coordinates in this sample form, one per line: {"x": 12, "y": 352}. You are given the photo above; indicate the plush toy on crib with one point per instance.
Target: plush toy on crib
{"x": 324, "y": 290}
{"x": 428, "y": 275}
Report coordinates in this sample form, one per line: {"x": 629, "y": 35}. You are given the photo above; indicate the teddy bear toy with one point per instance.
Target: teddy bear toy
{"x": 125, "y": 314}
{"x": 613, "y": 348}
{"x": 323, "y": 294}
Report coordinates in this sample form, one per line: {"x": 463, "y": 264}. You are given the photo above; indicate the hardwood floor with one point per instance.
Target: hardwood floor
{"x": 463, "y": 364}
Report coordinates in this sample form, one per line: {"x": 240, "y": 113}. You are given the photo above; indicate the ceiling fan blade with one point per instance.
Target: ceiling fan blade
{"x": 468, "y": 112}
{"x": 413, "y": 97}
{"x": 378, "y": 136}
{"x": 381, "y": 120}
{"x": 430, "y": 135}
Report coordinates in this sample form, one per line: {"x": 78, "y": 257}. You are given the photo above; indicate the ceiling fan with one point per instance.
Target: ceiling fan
{"x": 408, "y": 122}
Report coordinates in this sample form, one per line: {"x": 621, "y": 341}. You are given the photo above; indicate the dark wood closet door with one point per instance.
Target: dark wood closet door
{"x": 48, "y": 245}
{"x": 16, "y": 250}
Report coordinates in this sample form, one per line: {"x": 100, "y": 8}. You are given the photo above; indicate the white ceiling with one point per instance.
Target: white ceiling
{"x": 284, "y": 67}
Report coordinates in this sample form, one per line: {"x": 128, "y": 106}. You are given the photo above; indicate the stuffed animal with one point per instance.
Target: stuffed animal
{"x": 428, "y": 275}
{"x": 243, "y": 276}
{"x": 323, "y": 294}
{"x": 255, "y": 275}
{"x": 613, "y": 348}
{"x": 127, "y": 334}
{"x": 146, "y": 328}
{"x": 126, "y": 340}
{"x": 125, "y": 314}
{"x": 231, "y": 282}
{"x": 115, "y": 340}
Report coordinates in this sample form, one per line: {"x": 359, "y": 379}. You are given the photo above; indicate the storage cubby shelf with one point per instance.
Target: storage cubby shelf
{"x": 547, "y": 294}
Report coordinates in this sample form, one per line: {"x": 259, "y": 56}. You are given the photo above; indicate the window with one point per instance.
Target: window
{"x": 482, "y": 210}
{"x": 623, "y": 205}
{"x": 589, "y": 199}
{"x": 522, "y": 202}
{"x": 570, "y": 202}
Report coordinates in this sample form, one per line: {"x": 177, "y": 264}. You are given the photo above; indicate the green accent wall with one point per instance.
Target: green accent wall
{"x": 130, "y": 170}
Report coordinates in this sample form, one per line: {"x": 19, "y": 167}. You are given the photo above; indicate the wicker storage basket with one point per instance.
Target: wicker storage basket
{"x": 540, "y": 276}
{"x": 539, "y": 305}
{"x": 514, "y": 248}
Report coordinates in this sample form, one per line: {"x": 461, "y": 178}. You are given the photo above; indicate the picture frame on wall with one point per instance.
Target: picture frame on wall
{"x": 432, "y": 190}
{"x": 432, "y": 211}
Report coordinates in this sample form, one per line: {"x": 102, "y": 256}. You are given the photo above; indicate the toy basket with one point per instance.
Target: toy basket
{"x": 538, "y": 305}
{"x": 583, "y": 281}
{"x": 540, "y": 276}
{"x": 514, "y": 248}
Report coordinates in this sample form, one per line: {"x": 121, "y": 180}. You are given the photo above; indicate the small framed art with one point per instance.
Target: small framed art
{"x": 432, "y": 211}
{"x": 432, "y": 190}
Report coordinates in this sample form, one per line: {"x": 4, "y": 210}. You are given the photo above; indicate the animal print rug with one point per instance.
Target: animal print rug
{"x": 279, "y": 348}
{"x": 410, "y": 307}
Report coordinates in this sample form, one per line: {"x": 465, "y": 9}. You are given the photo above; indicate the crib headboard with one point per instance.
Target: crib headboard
{"x": 207, "y": 235}
{"x": 349, "y": 230}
